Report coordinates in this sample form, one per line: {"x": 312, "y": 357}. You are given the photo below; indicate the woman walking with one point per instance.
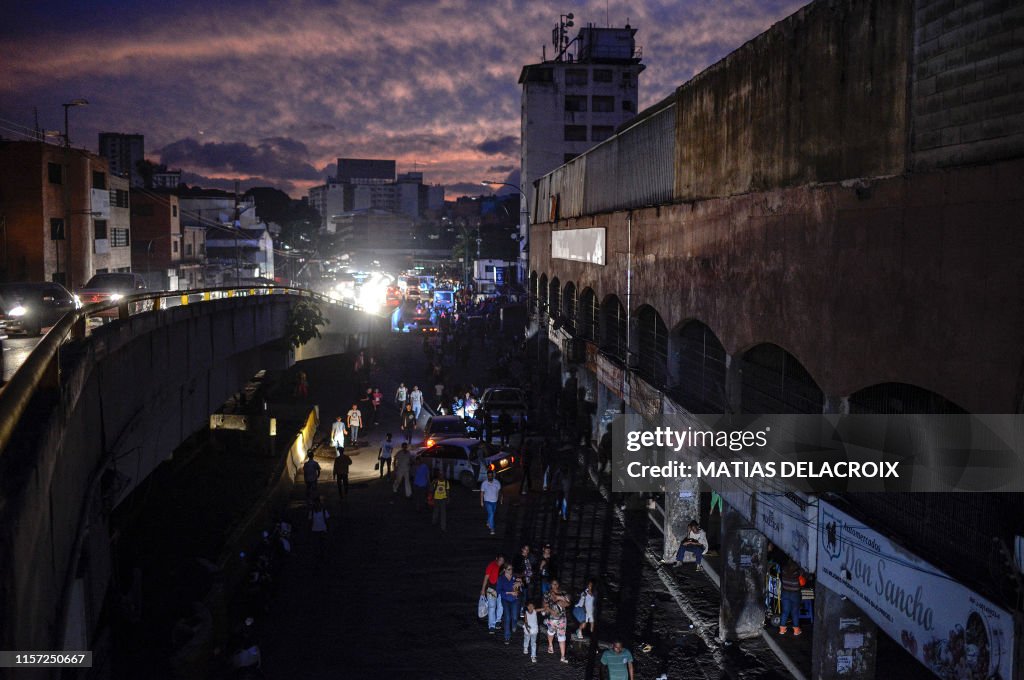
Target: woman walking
{"x": 555, "y": 605}
{"x": 509, "y": 586}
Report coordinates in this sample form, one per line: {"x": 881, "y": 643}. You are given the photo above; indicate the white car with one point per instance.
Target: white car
{"x": 467, "y": 460}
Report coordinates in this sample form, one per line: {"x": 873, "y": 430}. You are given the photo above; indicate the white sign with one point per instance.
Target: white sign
{"x": 950, "y": 629}
{"x": 787, "y": 525}
{"x": 580, "y": 245}
{"x": 100, "y": 204}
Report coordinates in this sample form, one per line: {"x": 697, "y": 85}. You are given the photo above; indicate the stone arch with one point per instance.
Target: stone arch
{"x": 698, "y": 365}
{"x": 534, "y": 292}
{"x": 554, "y": 298}
{"x": 614, "y": 336}
{"x": 651, "y": 346}
{"x": 542, "y": 293}
{"x": 588, "y": 322}
{"x": 570, "y": 304}
{"x": 774, "y": 381}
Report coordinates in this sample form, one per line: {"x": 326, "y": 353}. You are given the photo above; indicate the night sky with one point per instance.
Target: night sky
{"x": 273, "y": 92}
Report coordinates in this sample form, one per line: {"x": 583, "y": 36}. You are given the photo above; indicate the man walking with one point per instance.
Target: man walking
{"x": 402, "y": 460}
{"x": 408, "y": 423}
{"x": 401, "y": 395}
{"x": 618, "y": 661}
{"x": 354, "y": 418}
{"x": 490, "y": 496}
{"x": 384, "y": 455}
{"x": 310, "y": 474}
{"x": 440, "y": 489}
{"x": 416, "y": 399}
{"x": 338, "y": 434}
{"x": 489, "y": 589}
{"x": 341, "y": 465}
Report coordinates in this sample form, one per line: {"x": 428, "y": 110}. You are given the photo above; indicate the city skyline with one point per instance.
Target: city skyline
{"x": 264, "y": 93}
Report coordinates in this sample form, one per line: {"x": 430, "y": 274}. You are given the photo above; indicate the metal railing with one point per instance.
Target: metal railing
{"x": 41, "y": 369}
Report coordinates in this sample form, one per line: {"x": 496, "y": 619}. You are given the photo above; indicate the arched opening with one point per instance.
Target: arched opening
{"x": 700, "y": 369}
{"x": 542, "y": 294}
{"x": 534, "y": 293}
{"x": 554, "y": 298}
{"x": 774, "y": 381}
{"x": 614, "y": 328}
{"x": 900, "y": 398}
{"x": 588, "y": 317}
{"x": 652, "y": 346}
{"x": 569, "y": 305}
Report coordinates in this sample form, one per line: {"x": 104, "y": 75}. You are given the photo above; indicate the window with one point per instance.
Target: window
{"x": 627, "y": 105}
{"x": 175, "y": 246}
{"x": 575, "y": 133}
{"x": 119, "y": 238}
{"x": 602, "y": 75}
{"x": 576, "y": 76}
{"x": 55, "y": 173}
{"x": 628, "y": 79}
{"x": 599, "y": 133}
{"x": 174, "y": 211}
{"x": 99, "y": 180}
{"x": 575, "y": 103}
{"x": 118, "y": 198}
{"x": 56, "y": 229}
{"x": 99, "y": 228}
{"x": 603, "y": 104}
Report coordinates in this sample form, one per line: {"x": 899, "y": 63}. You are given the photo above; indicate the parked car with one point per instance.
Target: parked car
{"x": 467, "y": 460}
{"x": 111, "y": 287}
{"x": 439, "y": 428}
{"x": 30, "y": 307}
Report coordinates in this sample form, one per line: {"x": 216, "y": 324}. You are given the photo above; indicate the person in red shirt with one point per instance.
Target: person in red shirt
{"x": 376, "y": 399}
{"x": 489, "y": 589}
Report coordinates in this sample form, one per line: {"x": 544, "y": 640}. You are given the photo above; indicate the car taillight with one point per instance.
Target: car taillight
{"x": 430, "y": 442}
{"x": 491, "y": 466}
{"x": 512, "y": 459}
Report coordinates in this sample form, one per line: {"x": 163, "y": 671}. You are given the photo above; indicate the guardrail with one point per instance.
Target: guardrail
{"x": 41, "y": 369}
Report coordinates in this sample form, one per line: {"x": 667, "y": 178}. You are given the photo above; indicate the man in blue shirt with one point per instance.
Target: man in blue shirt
{"x": 619, "y": 662}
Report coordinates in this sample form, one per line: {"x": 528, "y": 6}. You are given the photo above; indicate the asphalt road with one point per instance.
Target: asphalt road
{"x": 16, "y": 350}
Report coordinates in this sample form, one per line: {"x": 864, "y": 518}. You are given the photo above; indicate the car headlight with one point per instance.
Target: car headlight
{"x": 78, "y": 302}
{"x": 114, "y": 297}
{"x": 17, "y": 311}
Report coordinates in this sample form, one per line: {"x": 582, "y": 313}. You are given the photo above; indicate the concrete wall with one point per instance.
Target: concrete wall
{"x": 968, "y": 90}
{"x": 907, "y": 279}
{"x": 129, "y": 395}
{"x": 821, "y": 96}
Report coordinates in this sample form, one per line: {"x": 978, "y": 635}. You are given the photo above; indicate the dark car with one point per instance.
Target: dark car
{"x": 468, "y": 460}
{"x": 439, "y": 428}
{"x": 498, "y": 399}
{"x": 111, "y": 287}
{"x": 32, "y": 306}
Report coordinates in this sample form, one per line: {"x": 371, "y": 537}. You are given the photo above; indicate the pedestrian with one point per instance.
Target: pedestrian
{"x": 547, "y": 568}
{"x": 310, "y": 474}
{"x": 509, "y": 588}
{"x": 408, "y": 422}
{"x": 525, "y": 460}
{"x": 366, "y": 406}
{"x": 402, "y": 460}
{"x": 354, "y": 418}
{"x": 504, "y": 427}
{"x": 384, "y": 455}
{"x": 439, "y": 389}
{"x": 555, "y": 605}
{"x": 490, "y": 496}
{"x": 302, "y": 386}
{"x": 318, "y": 517}
{"x": 489, "y": 589}
{"x": 604, "y": 450}
{"x": 338, "y": 434}
{"x": 618, "y": 661}
{"x": 342, "y": 463}
{"x": 421, "y": 480}
{"x": 416, "y": 400}
{"x": 525, "y": 564}
{"x": 585, "y": 608}
{"x": 792, "y": 596}
{"x": 546, "y": 462}
{"x": 530, "y": 629}
{"x": 375, "y": 400}
{"x": 440, "y": 489}
{"x": 401, "y": 395}
{"x": 563, "y": 479}
{"x": 696, "y": 542}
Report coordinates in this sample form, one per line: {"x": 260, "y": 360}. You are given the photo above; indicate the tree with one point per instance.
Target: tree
{"x": 303, "y": 324}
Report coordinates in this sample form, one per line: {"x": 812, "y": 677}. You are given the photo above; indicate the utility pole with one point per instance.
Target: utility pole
{"x": 68, "y": 260}
{"x": 237, "y": 224}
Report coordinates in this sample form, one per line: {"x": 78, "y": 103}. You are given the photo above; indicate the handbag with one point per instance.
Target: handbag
{"x": 376, "y": 466}
{"x": 579, "y": 613}
{"x": 481, "y": 608}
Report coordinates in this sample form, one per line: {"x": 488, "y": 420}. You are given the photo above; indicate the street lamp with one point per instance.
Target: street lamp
{"x": 69, "y": 279}
{"x": 524, "y": 226}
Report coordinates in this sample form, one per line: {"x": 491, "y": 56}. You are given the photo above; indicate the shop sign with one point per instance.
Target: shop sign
{"x": 792, "y": 528}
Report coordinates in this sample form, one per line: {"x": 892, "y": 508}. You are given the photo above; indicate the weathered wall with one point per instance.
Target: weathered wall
{"x": 820, "y": 96}
{"x": 968, "y": 91}
{"x": 913, "y": 279}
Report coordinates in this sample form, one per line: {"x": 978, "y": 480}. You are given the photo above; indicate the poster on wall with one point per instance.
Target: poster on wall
{"x": 950, "y": 629}
{"x": 792, "y": 527}
{"x": 579, "y": 245}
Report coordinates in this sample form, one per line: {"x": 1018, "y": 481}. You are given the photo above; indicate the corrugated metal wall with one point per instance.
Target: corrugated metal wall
{"x": 632, "y": 169}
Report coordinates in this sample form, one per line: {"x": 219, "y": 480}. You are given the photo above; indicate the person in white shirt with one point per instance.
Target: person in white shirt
{"x": 354, "y": 418}
{"x": 530, "y": 630}
{"x": 696, "y": 541}
{"x": 338, "y": 433}
{"x": 416, "y": 399}
{"x": 490, "y": 496}
{"x": 586, "y": 601}
{"x": 401, "y": 395}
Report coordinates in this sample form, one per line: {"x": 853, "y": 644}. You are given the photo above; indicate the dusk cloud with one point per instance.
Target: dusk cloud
{"x": 281, "y": 90}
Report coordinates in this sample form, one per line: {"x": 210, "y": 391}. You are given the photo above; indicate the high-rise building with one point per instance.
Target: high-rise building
{"x": 371, "y": 184}
{"x": 124, "y": 152}
{"x": 575, "y": 100}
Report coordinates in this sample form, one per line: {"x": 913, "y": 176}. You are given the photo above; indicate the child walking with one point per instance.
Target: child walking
{"x": 530, "y": 630}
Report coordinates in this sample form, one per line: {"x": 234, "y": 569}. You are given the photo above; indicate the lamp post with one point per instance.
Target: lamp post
{"x": 68, "y": 260}
{"x": 524, "y": 226}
